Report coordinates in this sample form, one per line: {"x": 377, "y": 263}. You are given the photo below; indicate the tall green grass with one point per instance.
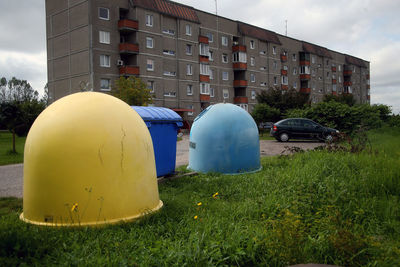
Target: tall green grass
{"x": 6, "y": 155}
{"x": 320, "y": 207}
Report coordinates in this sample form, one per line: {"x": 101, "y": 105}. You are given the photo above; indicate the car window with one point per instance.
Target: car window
{"x": 307, "y": 124}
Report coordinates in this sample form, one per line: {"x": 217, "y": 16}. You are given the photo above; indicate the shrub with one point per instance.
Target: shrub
{"x": 264, "y": 113}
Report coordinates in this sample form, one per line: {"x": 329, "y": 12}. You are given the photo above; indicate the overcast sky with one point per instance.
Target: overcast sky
{"x": 369, "y": 29}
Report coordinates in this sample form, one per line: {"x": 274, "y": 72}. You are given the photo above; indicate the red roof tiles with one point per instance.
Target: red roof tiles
{"x": 169, "y": 8}
{"x": 316, "y": 50}
{"x": 355, "y": 61}
{"x": 259, "y": 33}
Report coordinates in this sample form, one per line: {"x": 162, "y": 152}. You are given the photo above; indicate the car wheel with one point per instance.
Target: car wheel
{"x": 329, "y": 138}
{"x": 284, "y": 137}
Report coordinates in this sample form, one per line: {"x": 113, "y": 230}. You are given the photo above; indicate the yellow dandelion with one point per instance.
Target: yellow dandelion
{"x": 74, "y": 207}
{"x": 195, "y": 217}
{"x": 199, "y": 204}
{"x": 215, "y": 195}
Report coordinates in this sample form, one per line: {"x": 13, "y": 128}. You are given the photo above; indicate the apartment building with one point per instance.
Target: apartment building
{"x": 188, "y": 58}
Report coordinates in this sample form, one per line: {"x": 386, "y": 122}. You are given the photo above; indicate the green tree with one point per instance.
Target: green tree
{"x": 347, "y": 99}
{"x": 132, "y": 90}
{"x": 264, "y": 113}
{"x": 283, "y": 100}
{"x": 11, "y": 117}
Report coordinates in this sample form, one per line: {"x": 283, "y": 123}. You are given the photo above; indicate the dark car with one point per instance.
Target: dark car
{"x": 300, "y": 128}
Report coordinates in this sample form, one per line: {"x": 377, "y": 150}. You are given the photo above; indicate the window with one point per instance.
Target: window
{"x": 204, "y": 69}
{"x": 275, "y": 80}
{"x": 294, "y": 70}
{"x": 252, "y": 44}
{"x": 263, "y": 52}
{"x": 253, "y": 94}
{"x": 149, "y": 42}
{"x": 354, "y": 69}
{"x": 150, "y": 64}
{"x": 169, "y": 31}
{"x": 334, "y": 87}
{"x": 149, "y": 20}
{"x": 204, "y": 49}
{"x": 313, "y": 72}
{"x": 169, "y": 52}
{"x": 225, "y": 76}
{"x": 189, "y": 89}
{"x": 105, "y": 61}
{"x": 150, "y": 86}
{"x": 239, "y": 57}
{"x": 105, "y": 84}
{"x": 274, "y": 50}
{"x": 225, "y": 93}
{"x": 304, "y": 69}
{"x": 275, "y": 64}
{"x": 211, "y": 92}
{"x": 211, "y": 74}
{"x": 340, "y": 79}
{"x": 263, "y": 84}
{"x": 252, "y": 61}
{"x": 263, "y": 68}
{"x": 294, "y": 57}
{"x": 190, "y": 113}
{"x": 284, "y": 80}
{"x": 169, "y": 73}
{"x": 340, "y": 67}
{"x": 312, "y": 59}
{"x": 210, "y": 37}
{"x": 104, "y": 13}
{"x": 243, "y": 106}
{"x": 189, "y": 69}
{"x": 327, "y": 62}
{"x": 188, "y": 49}
{"x": 224, "y": 40}
{"x": 211, "y": 55}
{"x": 204, "y": 88}
{"x": 170, "y": 94}
{"x": 327, "y": 74}
{"x": 224, "y": 58}
{"x": 295, "y": 85}
{"x": 252, "y": 77}
{"x": 104, "y": 37}
{"x": 188, "y": 29}
{"x": 285, "y": 67}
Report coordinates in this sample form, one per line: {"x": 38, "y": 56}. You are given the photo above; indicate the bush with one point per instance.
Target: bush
{"x": 264, "y": 113}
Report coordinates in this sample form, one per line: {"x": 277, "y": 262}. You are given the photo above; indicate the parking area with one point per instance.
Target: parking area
{"x": 11, "y": 176}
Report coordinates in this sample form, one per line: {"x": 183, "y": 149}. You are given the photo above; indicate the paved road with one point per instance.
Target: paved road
{"x": 11, "y": 176}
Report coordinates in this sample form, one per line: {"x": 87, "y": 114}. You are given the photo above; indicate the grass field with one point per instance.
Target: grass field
{"x": 6, "y": 157}
{"x": 322, "y": 207}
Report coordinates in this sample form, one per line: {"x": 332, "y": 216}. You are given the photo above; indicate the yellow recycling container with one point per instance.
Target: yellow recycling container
{"x": 88, "y": 160}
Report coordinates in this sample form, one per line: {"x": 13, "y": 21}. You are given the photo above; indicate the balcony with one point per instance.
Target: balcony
{"x": 333, "y": 69}
{"x": 127, "y": 48}
{"x": 347, "y": 72}
{"x": 305, "y": 76}
{"x": 283, "y": 72}
{"x": 283, "y": 58}
{"x": 239, "y": 66}
{"x": 305, "y": 90}
{"x": 204, "y": 98}
{"x": 368, "y": 97}
{"x": 347, "y": 83}
{"x": 204, "y": 78}
{"x": 128, "y": 25}
{"x": 334, "y": 93}
{"x": 305, "y": 63}
{"x": 333, "y": 81}
{"x": 239, "y": 48}
{"x": 284, "y": 87}
{"x": 203, "y": 39}
{"x": 129, "y": 70}
{"x": 368, "y": 86}
{"x": 367, "y": 76}
{"x": 240, "y": 100}
{"x": 204, "y": 59}
{"x": 239, "y": 83}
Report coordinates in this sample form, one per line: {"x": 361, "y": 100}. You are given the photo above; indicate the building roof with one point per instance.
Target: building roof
{"x": 259, "y": 33}
{"x": 316, "y": 50}
{"x": 169, "y": 8}
{"x": 355, "y": 61}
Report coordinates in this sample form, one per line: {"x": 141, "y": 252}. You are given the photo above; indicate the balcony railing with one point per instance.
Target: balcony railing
{"x": 347, "y": 72}
{"x": 204, "y": 78}
{"x": 283, "y": 58}
{"x": 305, "y": 76}
{"x": 283, "y": 72}
{"x": 333, "y": 81}
{"x": 204, "y": 98}
{"x": 127, "y": 48}
{"x": 128, "y": 25}
{"x": 203, "y": 39}
{"x": 305, "y": 90}
{"x": 129, "y": 70}
{"x": 334, "y": 93}
{"x": 239, "y": 48}
{"x": 347, "y": 83}
{"x": 333, "y": 69}
{"x": 239, "y": 83}
{"x": 284, "y": 87}
{"x": 240, "y": 100}
{"x": 204, "y": 59}
{"x": 305, "y": 63}
{"x": 239, "y": 66}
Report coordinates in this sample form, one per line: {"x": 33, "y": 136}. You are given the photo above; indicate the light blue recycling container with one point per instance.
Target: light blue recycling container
{"x": 224, "y": 139}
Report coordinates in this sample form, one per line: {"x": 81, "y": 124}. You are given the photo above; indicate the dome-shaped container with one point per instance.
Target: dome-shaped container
{"x": 224, "y": 138}
{"x": 88, "y": 160}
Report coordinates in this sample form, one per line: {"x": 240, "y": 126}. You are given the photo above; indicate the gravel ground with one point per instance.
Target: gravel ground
{"x": 11, "y": 176}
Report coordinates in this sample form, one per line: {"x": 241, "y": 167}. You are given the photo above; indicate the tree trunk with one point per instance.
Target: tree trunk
{"x": 13, "y": 134}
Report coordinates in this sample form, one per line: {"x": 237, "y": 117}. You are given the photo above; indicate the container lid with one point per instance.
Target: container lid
{"x": 157, "y": 114}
